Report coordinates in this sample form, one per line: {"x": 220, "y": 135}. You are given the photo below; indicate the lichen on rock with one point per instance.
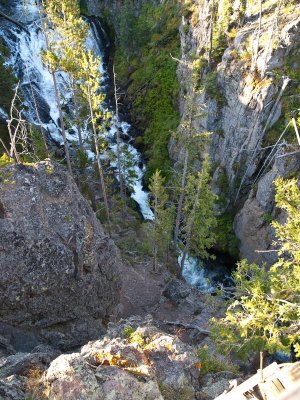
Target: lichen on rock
{"x": 59, "y": 271}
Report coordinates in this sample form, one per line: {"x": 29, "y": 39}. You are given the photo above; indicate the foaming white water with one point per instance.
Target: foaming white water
{"x": 3, "y": 114}
{"x": 37, "y": 86}
{"x": 194, "y": 273}
{"x": 27, "y": 63}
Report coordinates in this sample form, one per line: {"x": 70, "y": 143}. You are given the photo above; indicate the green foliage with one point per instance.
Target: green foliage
{"x": 38, "y": 144}
{"x": 199, "y": 66}
{"x": 143, "y": 57}
{"x": 223, "y": 185}
{"x": 160, "y": 234}
{"x": 220, "y": 29}
{"x": 289, "y": 101}
{"x": 127, "y": 164}
{"x": 226, "y": 241}
{"x": 128, "y": 331}
{"x": 5, "y": 160}
{"x": 134, "y": 336}
{"x": 212, "y": 88}
{"x": 6, "y": 91}
{"x": 210, "y": 364}
{"x": 265, "y": 310}
{"x": 82, "y": 159}
{"x": 137, "y": 338}
{"x": 288, "y": 199}
{"x": 198, "y": 233}
{"x": 83, "y": 7}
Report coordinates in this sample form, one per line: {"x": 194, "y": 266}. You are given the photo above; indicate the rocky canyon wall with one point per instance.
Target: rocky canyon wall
{"x": 248, "y": 81}
{"x": 244, "y": 68}
{"x": 59, "y": 271}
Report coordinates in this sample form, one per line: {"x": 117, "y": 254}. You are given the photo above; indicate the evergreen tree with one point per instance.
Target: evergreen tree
{"x": 120, "y": 169}
{"x": 192, "y": 143}
{"x": 51, "y": 61}
{"x": 71, "y": 33}
{"x": 90, "y": 85}
{"x": 161, "y": 229}
{"x": 197, "y": 232}
{"x": 128, "y": 172}
{"x": 265, "y": 310}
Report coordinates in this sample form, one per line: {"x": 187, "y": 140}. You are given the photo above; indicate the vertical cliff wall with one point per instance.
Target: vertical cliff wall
{"x": 243, "y": 63}
{"x": 247, "y": 72}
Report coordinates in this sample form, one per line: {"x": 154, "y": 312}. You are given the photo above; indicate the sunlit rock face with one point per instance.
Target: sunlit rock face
{"x": 134, "y": 360}
{"x": 237, "y": 102}
{"x": 59, "y": 271}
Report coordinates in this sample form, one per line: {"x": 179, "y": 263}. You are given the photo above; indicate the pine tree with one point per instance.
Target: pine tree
{"x": 127, "y": 164}
{"x": 120, "y": 169}
{"x": 89, "y": 83}
{"x": 197, "y": 232}
{"x": 71, "y": 33}
{"x": 192, "y": 143}
{"x": 265, "y": 310}
{"x": 52, "y": 60}
{"x": 161, "y": 228}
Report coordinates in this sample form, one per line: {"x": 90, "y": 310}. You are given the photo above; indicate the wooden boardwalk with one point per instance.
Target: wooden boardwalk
{"x": 275, "y": 382}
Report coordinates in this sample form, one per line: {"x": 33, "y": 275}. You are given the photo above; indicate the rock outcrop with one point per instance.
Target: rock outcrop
{"x": 59, "y": 271}
{"x": 135, "y": 360}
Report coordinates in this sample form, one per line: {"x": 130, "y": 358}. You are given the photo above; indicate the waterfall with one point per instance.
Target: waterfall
{"x": 38, "y": 91}
{"x": 36, "y": 83}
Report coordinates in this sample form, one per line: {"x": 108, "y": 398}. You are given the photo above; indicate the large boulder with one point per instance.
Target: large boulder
{"x": 135, "y": 360}
{"x": 59, "y": 271}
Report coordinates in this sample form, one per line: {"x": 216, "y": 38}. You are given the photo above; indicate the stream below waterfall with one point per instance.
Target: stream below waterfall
{"x": 37, "y": 88}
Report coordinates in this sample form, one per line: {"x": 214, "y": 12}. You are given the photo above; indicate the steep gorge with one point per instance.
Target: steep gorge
{"x": 61, "y": 274}
{"x": 246, "y": 73}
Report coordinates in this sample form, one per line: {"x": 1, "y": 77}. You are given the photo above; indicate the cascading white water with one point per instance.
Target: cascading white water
{"x": 37, "y": 87}
{"x": 27, "y": 62}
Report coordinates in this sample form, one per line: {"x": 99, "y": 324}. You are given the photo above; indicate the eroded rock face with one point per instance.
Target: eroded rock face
{"x": 252, "y": 223}
{"x": 59, "y": 272}
{"x": 239, "y": 110}
{"x": 149, "y": 364}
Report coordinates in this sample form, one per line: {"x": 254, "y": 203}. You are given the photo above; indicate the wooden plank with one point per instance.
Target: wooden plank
{"x": 249, "y": 384}
{"x": 289, "y": 375}
{"x": 292, "y": 394}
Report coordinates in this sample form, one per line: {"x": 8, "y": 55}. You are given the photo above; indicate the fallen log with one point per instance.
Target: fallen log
{"x": 14, "y": 21}
{"x": 188, "y": 326}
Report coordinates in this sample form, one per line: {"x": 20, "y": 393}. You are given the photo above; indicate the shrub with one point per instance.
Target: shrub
{"x": 210, "y": 364}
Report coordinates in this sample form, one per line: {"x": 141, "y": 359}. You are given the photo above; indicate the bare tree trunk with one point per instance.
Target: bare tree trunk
{"x": 269, "y": 46}
{"x": 154, "y": 262}
{"x": 5, "y": 148}
{"x": 13, "y": 130}
{"x": 184, "y": 172}
{"x": 211, "y": 32}
{"x": 285, "y": 82}
{"x": 37, "y": 112}
{"x": 62, "y": 124}
{"x": 189, "y": 231}
{"x": 77, "y": 114}
{"x": 121, "y": 179}
{"x": 296, "y": 129}
{"x": 14, "y": 22}
{"x": 154, "y": 238}
{"x": 181, "y": 196}
{"x": 100, "y": 169}
{"x": 256, "y": 49}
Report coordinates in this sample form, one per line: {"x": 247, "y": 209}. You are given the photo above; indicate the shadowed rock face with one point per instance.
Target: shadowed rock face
{"x": 59, "y": 272}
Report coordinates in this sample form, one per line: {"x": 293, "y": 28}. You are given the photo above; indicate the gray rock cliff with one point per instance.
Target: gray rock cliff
{"x": 241, "y": 97}
{"x": 59, "y": 271}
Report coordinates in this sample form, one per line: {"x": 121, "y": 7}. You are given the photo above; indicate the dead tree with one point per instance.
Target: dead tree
{"x": 17, "y": 129}
{"x": 120, "y": 172}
